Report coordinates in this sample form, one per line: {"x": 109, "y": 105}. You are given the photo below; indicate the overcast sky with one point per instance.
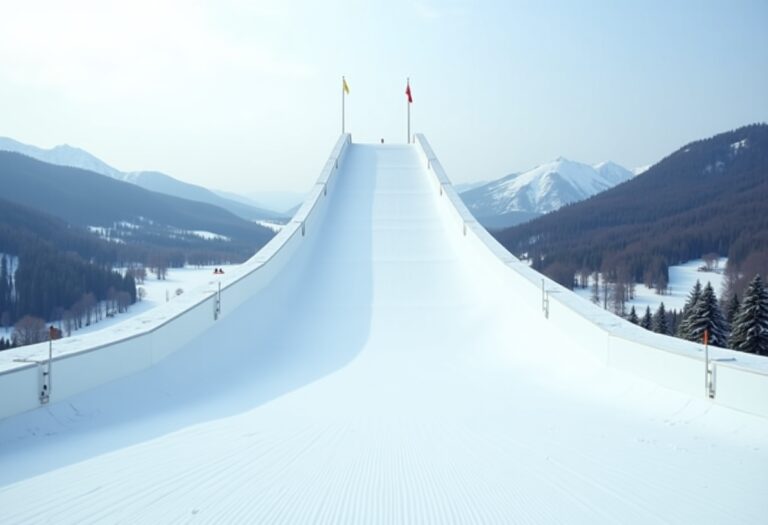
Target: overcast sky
{"x": 245, "y": 95}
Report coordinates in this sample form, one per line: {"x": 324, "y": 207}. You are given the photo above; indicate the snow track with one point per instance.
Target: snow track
{"x": 388, "y": 375}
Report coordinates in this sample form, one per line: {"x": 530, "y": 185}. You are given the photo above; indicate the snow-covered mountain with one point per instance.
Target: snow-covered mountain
{"x": 66, "y": 155}
{"x": 62, "y": 155}
{"x": 520, "y": 197}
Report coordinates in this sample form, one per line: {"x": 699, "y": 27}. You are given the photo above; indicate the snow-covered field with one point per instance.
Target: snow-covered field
{"x": 682, "y": 278}
{"x": 209, "y": 236}
{"x": 274, "y": 226}
{"x": 388, "y": 375}
{"x": 157, "y": 292}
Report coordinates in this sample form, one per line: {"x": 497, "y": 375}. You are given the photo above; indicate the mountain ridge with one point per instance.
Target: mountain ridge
{"x": 88, "y": 199}
{"x": 543, "y": 189}
{"x": 70, "y": 156}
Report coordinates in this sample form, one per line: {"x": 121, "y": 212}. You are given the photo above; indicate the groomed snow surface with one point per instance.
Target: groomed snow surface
{"x": 389, "y": 375}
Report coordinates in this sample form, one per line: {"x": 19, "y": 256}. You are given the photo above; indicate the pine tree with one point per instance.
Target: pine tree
{"x": 672, "y": 321}
{"x": 647, "y": 320}
{"x": 632, "y": 317}
{"x": 750, "y": 325}
{"x": 683, "y": 329}
{"x": 660, "y": 321}
{"x": 708, "y": 316}
{"x": 5, "y": 283}
{"x": 731, "y": 309}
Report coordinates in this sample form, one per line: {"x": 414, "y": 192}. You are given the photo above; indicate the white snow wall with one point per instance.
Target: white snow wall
{"x": 81, "y": 363}
{"x": 670, "y": 362}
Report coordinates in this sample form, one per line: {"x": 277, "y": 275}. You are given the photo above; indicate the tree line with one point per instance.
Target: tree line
{"x": 739, "y": 324}
{"x": 54, "y": 286}
{"x": 65, "y": 273}
{"x": 21, "y": 226}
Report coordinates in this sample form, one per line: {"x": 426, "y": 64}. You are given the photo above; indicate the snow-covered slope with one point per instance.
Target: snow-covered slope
{"x": 388, "y": 374}
{"x": 541, "y": 190}
{"x": 641, "y": 169}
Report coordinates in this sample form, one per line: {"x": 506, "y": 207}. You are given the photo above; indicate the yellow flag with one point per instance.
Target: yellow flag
{"x": 344, "y": 85}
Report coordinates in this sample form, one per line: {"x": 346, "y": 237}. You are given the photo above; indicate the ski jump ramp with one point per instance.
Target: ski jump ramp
{"x": 383, "y": 360}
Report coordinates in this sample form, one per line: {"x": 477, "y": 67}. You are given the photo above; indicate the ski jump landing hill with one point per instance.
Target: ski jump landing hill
{"x": 84, "y": 362}
{"x": 383, "y": 358}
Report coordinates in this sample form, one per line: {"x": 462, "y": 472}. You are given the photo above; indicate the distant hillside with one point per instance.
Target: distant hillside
{"x": 709, "y": 196}
{"x": 162, "y": 183}
{"x": 521, "y": 197}
{"x": 19, "y": 225}
{"x": 132, "y": 214}
{"x": 57, "y": 264}
{"x": 282, "y": 201}
{"x": 66, "y": 155}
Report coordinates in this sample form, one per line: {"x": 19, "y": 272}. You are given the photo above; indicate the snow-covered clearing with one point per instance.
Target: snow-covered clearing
{"x": 209, "y": 236}
{"x": 736, "y": 146}
{"x": 159, "y": 291}
{"x": 105, "y": 234}
{"x": 389, "y": 374}
{"x": 274, "y": 226}
{"x": 682, "y": 278}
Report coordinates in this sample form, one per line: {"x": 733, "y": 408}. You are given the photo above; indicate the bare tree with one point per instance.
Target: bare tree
{"x": 596, "y": 287}
{"x": 89, "y": 304}
{"x": 619, "y": 293}
{"x": 159, "y": 265}
{"x": 78, "y": 312}
{"x": 139, "y": 274}
{"x": 123, "y": 301}
{"x": 582, "y": 278}
{"x": 111, "y": 301}
{"x": 711, "y": 261}
{"x": 29, "y": 330}
{"x": 68, "y": 322}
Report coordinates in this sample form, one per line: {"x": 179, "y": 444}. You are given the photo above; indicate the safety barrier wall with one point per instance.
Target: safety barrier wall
{"x": 736, "y": 380}
{"x": 83, "y": 362}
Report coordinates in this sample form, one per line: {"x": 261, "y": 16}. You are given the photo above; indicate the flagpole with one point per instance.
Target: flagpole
{"x": 408, "y": 103}
{"x": 343, "y": 97}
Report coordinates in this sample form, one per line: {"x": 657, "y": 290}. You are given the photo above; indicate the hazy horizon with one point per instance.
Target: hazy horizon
{"x": 244, "y": 98}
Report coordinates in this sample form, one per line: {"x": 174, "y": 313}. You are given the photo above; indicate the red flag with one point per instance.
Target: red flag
{"x": 706, "y": 337}
{"x": 408, "y": 92}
